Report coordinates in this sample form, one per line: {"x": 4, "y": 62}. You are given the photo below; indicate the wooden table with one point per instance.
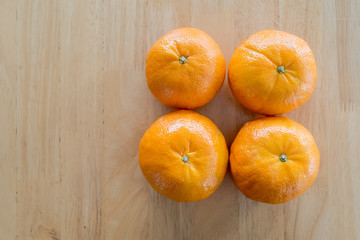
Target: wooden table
{"x": 74, "y": 105}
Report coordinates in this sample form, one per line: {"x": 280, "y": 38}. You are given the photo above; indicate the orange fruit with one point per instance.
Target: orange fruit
{"x": 185, "y": 68}
{"x": 183, "y": 156}
{"x": 274, "y": 160}
{"x": 272, "y": 72}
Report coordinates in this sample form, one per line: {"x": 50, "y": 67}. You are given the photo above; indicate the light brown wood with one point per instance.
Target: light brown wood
{"x": 74, "y": 105}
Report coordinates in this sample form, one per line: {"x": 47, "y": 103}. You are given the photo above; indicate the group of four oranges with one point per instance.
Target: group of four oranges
{"x": 184, "y": 156}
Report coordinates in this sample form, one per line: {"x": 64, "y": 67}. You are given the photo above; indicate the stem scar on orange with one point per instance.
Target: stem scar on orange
{"x": 274, "y": 160}
{"x": 185, "y": 68}
{"x": 272, "y": 72}
{"x": 183, "y": 156}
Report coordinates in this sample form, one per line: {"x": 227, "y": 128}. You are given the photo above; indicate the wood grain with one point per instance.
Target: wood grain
{"x": 74, "y": 105}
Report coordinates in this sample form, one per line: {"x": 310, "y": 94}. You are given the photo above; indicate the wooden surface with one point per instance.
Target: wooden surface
{"x": 74, "y": 105}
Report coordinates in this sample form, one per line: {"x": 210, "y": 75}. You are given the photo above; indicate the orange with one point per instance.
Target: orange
{"x": 185, "y": 68}
{"x": 272, "y": 72}
{"x": 274, "y": 160}
{"x": 183, "y": 156}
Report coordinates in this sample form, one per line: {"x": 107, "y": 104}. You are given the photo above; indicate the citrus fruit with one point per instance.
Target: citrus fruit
{"x": 185, "y": 68}
{"x": 272, "y": 72}
{"x": 274, "y": 160}
{"x": 183, "y": 156}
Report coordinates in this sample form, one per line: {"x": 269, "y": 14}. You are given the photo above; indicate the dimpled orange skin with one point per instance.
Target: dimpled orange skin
{"x": 183, "y": 156}
{"x": 254, "y": 78}
{"x": 190, "y": 84}
{"x": 255, "y": 160}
